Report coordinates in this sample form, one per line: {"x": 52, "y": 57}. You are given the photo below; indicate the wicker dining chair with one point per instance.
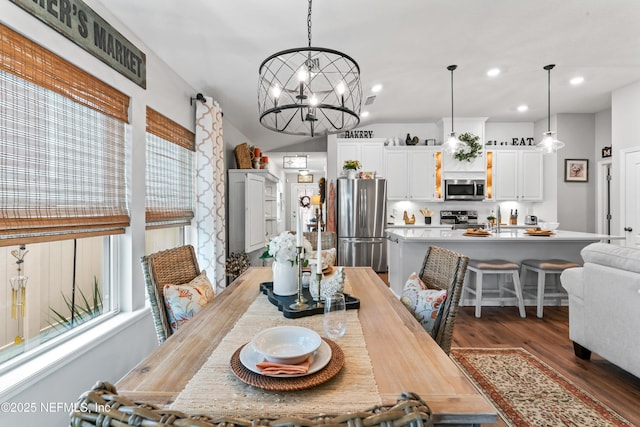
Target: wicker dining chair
{"x": 169, "y": 267}
{"x": 102, "y": 406}
{"x": 328, "y": 239}
{"x": 445, "y": 269}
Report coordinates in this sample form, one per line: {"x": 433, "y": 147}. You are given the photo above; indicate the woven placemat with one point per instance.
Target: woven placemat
{"x": 290, "y": 384}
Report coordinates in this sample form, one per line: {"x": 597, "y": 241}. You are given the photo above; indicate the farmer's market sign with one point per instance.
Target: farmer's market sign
{"x": 80, "y": 24}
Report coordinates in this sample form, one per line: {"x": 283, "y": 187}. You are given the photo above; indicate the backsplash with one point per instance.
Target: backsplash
{"x": 396, "y": 210}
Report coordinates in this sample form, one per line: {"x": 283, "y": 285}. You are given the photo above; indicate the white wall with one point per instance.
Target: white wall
{"x": 625, "y": 133}
{"x": 576, "y": 200}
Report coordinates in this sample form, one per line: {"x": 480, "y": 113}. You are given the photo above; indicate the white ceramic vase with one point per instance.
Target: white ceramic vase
{"x": 351, "y": 174}
{"x": 285, "y": 278}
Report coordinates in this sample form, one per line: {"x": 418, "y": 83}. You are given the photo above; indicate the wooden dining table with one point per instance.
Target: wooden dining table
{"x": 403, "y": 356}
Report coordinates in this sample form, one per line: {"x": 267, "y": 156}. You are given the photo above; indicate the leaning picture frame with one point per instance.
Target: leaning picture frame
{"x": 576, "y": 170}
{"x": 306, "y": 179}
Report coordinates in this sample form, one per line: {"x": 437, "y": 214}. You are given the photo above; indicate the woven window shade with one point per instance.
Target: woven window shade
{"x": 23, "y": 58}
{"x": 169, "y": 173}
{"x": 62, "y": 162}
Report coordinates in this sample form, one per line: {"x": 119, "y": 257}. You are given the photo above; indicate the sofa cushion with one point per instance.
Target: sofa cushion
{"x": 613, "y": 256}
{"x": 184, "y": 301}
{"x": 425, "y": 304}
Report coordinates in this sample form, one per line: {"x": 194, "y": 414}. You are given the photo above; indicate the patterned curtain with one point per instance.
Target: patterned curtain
{"x": 210, "y": 184}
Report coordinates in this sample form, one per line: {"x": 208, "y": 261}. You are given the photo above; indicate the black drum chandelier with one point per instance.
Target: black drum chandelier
{"x": 309, "y": 90}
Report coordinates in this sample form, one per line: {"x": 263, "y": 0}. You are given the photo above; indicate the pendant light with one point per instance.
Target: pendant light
{"x": 452, "y": 144}
{"x": 309, "y": 90}
{"x": 549, "y": 143}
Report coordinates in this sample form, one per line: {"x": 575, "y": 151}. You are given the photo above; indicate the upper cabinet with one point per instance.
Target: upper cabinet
{"x": 369, "y": 152}
{"x": 514, "y": 175}
{"x": 414, "y": 173}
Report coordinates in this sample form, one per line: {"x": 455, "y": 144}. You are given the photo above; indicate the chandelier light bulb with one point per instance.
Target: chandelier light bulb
{"x": 313, "y": 101}
{"x": 340, "y": 88}
{"x": 276, "y": 91}
{"x": 302, "y": 75}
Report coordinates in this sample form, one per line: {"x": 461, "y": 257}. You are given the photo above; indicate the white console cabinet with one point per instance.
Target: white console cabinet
{"x": 253, "y": 209}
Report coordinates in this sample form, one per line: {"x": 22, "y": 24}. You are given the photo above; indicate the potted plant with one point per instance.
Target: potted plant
{"x": 470, "y": 147}
{"x": 351, "y": 167}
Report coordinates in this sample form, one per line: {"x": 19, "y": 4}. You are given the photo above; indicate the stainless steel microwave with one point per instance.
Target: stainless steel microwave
{"x": 464, "y": 189}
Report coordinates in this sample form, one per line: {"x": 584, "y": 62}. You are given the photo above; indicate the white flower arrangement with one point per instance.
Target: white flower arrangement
{"x": 283, "y": 247}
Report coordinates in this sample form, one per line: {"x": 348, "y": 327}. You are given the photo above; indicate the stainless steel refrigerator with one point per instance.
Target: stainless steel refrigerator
{"x": 362, "y": 206}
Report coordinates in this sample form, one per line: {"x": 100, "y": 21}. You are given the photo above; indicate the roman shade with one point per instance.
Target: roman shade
{"x": 169, "y": 173}
{"x": 62, "y": 153}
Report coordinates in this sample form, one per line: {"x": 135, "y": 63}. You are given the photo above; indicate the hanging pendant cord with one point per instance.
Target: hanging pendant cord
{"x": 309, "y": 23}
{"x": 452, "y": 68}
{"x": 549, "y": 68}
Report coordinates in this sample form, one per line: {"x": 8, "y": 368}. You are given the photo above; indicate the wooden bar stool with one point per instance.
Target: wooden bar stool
{"x": 542, "y": 267}
{"x": 500, "y": 268}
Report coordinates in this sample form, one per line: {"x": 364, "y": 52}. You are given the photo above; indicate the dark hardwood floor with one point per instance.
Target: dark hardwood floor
{"x": 548, "y": 339}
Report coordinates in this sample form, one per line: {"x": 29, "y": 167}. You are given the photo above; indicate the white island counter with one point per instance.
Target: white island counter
{"x": 407, "y": 247}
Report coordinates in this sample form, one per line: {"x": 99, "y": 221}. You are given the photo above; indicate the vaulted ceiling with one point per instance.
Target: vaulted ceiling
{"x": 405, "y": 45}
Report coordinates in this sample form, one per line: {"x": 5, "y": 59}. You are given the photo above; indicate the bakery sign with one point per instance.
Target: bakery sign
{"x": 80, "y": 24}
{"x": 357, "y": 134}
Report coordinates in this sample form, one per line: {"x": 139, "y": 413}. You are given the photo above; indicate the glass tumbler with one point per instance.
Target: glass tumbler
{"x": 335, "y": 315}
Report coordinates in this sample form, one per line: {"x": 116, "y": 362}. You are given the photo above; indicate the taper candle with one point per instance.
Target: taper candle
{"x": 319, "y": 268}
{"x": 299, "y": 228}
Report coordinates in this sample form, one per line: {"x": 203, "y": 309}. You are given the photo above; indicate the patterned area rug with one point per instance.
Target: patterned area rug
{"x": 529, "y": 393}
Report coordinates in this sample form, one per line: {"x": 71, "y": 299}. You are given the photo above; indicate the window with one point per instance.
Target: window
{"x": 169, "y": 172}
{"x": 62, "y": 190}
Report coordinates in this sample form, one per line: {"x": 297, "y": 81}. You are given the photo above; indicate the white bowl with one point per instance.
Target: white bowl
{"x": 549, "y": 225}
{"x": 286, "y": 344}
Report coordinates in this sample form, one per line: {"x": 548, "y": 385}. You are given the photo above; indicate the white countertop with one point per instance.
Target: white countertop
{"x": 447, "y": 235}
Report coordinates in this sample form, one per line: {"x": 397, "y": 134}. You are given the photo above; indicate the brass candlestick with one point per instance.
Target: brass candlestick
{"x": 301, "y": 301}
{"x": 319, "y": 302}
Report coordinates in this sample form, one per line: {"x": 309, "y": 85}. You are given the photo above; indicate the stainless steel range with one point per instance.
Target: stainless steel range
{"x": 460, "y": 219}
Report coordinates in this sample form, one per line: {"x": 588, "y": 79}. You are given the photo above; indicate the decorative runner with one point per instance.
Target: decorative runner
{"x": 529, "y": 393}
{"x": 215, "y": 390}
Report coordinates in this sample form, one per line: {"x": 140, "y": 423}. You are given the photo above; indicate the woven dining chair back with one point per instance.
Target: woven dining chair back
{"x": 169, "y": 267}
{"x": 102, "y": 406}
{"x": 328, "y": 239}
{"x": 445, "y": 269}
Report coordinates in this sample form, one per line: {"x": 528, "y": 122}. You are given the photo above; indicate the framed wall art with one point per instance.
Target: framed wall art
{"x": 307, "y": 179}
{"x": 576, "y": 170}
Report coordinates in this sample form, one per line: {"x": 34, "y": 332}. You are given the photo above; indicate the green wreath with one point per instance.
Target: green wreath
{"x": 471, "y": 148}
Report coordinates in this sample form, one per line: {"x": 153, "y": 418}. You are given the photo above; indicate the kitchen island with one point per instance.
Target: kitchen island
{"x": 407, "y": 247}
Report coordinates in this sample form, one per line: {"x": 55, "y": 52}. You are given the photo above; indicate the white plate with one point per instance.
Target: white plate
{"x": 250, "y": 356}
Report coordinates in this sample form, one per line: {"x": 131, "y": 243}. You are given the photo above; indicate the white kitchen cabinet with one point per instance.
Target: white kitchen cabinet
{"x": 369, "y": 152}
{"x": 517, "y": 175}
{"x": 253, "y": 209}
{"x": 413, "y": 173}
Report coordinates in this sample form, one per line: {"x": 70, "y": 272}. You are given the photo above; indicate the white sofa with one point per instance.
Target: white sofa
{"x": 604, "y": 305}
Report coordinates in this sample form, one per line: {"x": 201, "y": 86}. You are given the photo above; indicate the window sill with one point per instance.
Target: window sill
{"x": 33, "y": 370}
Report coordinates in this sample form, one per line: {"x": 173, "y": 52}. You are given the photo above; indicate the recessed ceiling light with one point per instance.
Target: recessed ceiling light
{"x": 376, "y": 88}
{"x": 577, "y": 80}
{"x": 364, "y": 114}
{"x": 523, "y": 108}
{"x": 493, "y": 72}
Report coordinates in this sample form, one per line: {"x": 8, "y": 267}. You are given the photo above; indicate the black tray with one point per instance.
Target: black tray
{"x": 283, "y": 302}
